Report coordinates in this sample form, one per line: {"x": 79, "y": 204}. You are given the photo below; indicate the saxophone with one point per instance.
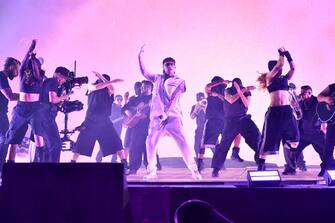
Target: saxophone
{"x": 294, "y": 102}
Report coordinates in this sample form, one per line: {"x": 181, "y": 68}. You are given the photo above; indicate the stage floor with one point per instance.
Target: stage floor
{"x": 229, "y": 176}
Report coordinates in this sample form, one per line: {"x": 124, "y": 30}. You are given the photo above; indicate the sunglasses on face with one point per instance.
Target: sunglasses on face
{"x": 169, "y": 64}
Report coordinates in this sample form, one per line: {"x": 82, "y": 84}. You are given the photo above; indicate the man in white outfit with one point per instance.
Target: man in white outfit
{"x": 165, "y": 115}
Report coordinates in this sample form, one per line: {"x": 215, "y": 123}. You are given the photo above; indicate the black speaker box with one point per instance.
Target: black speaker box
{"x": 63, "y": 192}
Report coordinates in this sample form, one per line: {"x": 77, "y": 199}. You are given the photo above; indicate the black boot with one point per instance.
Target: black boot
{"x": 235, "y": 154}
{"x": 200, "y": 164}
{"x": 158, "y": 165}
{"x": 293, "y": 158}
{"x": 39, "y": 155}
{"x": 288, "y": 171}
{"x": 261, "y": 165}
{"x": 125, "y": 166}
{"x": 215, "y": 172}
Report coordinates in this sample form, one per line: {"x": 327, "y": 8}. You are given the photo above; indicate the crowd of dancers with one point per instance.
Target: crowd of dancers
{"x": 154, "y": 111}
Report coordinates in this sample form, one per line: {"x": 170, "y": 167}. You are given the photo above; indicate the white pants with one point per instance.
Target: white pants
{"x": 173, "y": 128}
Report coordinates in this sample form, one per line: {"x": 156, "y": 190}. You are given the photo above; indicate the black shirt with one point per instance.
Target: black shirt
{"x": 49, "y": 84}
{"x": 309, "y": 123}
{"x": 3, "y": 100}
{"x": 214, "y": 108}
{"x": 200, "y": 118}
{"x": 278, "y": 83}
{"x": 99, "y": 105}
{"x": 117, "y": 117}
{"x": 236, "y": 109}
{"x": 331, "y": 88}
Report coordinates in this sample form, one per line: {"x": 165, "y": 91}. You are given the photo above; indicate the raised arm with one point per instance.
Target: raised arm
{"x": 208, "y": 88}
{"x": 28, "y": 54}
{"x": 232, "y": 98}
{"x": 289, "y": 75}
{"x": 99, "y": 86}
{"x": 245, "y": 99}
{"x": 144, "y": 72}
{"x": 279, "y": 65}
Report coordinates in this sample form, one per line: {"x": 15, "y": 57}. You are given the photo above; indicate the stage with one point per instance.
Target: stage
{"x": 99, "y": 192}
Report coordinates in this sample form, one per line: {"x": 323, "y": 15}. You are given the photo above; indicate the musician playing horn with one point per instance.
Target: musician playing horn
{"x": 310, "y": 128}
{"x": 97, "y": 125}
{"x": 280, "y": 123}
{"x": 327, "y": 95}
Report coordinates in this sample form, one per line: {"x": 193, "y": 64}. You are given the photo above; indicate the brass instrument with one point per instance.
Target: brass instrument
{"x": 294, "y": 102}
{"x": 199, "y": 106}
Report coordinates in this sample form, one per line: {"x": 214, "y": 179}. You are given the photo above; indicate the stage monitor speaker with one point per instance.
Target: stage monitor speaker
{"x": 63, "y": 192}
{"x": 330, "y": 177}
{"x": 267, "y": 178}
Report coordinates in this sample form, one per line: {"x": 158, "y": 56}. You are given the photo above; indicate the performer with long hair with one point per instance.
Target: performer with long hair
{"x": 280, "y": 123}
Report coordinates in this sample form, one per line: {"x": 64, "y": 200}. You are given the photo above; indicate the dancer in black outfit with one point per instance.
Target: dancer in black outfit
{"x": 10, "y": 71}
{"x": 327, "y": 95}
{"x": 280, "y": 123}
{"x": 214, "y": 123}
{"x": 237, "y": 121}
{"x": 97, "y": 125}
{"x": 28, "y": 107}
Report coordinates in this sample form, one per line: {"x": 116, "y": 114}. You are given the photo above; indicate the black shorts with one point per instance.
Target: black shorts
{"x": 127, "y": 137}
{"x": 24, "y": 113}
{"x": 279, "y": 125}
{"x": 213, "y": 128}
{"x": 102, "y": 131}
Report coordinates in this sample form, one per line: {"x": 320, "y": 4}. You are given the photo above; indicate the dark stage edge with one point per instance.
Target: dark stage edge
{"x": 157, "y": 202}
{"x": 300, "y": 198}
{"x": 303, "y": 197}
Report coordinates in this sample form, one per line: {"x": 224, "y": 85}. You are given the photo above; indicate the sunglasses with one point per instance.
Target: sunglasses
{"x": 169, "y": 64}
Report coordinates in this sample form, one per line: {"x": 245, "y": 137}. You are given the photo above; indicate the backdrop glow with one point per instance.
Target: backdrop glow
{"x": 207, "y": 38}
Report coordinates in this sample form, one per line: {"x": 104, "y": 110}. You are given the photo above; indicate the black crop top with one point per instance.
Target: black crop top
{"x": 31, "y": 86}
{"x": 278, "y": 83}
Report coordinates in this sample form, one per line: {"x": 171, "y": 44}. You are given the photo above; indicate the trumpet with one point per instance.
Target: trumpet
{"x": 199, "y": 106}
{"x": 294, "y": 102}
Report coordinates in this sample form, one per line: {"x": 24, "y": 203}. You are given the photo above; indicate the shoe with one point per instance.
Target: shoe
{"x": 125, "y": 163}
{"x": 289, "y": 171}
{"x": 292, "y": 154}
{"x": 215, "y": 172}
{"x": 158, "y": 165}
{"x": 235, "y": 155}
{"x": 151, "y": 175}
{"x": 322, "y": 172}
{"x": 196, "y": 175}
{"x": 200, "y": 165}
{"x": 132, "y": 172}
{"x": 261, "y": 166}
{"x": 302, "y": 168}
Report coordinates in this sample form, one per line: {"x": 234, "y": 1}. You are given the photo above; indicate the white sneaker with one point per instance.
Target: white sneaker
{"x": 196, "y": 175}
{"x": 151, "y": 175}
